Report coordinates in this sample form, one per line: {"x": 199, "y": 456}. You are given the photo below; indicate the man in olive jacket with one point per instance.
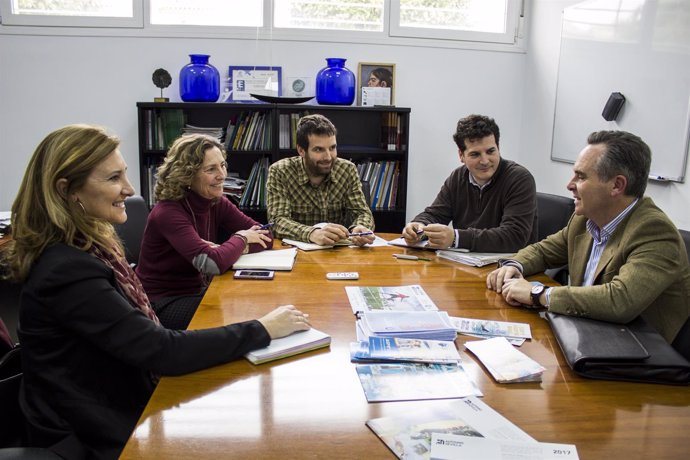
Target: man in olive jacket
{"x": 626, "y": 258}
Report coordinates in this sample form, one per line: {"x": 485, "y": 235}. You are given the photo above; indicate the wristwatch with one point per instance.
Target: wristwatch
{"x": 537, "y": 291}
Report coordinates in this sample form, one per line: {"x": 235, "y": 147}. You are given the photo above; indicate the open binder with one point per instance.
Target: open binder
{"x": 632, "y": 352}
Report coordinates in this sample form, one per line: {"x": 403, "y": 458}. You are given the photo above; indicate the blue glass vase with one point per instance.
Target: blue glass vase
{"x": 335, "y": 83}
{"x": 199, "y": 80}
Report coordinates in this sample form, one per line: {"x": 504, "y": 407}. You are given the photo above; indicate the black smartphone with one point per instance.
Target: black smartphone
{"x": 254, "y": 274}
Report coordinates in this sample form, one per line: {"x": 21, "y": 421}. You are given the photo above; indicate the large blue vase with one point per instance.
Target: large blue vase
{"x": 335, "y": 83}
{"x": 199, "y": 80}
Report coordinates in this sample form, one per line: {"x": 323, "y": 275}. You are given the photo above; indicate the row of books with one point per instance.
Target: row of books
{"x": 254, "y": 195}
{"x": 391, "y": 131}
{"x": 249, "y": 131}
{"x": 162, "y": 128}
{"x": 383, "y": 179}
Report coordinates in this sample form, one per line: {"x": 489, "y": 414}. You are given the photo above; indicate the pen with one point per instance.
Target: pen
{"x": 265, "y": 226}
{"x": 408, "y": 257}
{"x": 362, "y": 233}
{"x": 419, "y": 232}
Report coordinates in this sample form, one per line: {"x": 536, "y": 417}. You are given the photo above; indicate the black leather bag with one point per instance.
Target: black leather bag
{"x": 632, "y": 352}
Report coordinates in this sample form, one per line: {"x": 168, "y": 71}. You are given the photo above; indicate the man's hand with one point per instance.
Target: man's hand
{"x": 496, "y": 279}
{"x": 440, "y": 236}
{"x": 517, "y": 292}
{"x": 330, "y": 234}
{"x": 410, "y": 232}
{"x": 361, "y": 240}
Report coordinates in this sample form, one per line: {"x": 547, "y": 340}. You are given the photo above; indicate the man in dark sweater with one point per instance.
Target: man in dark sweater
{"x": 491, "y": 202}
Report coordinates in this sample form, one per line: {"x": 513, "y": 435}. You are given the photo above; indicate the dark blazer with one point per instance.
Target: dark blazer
{"x": 642, "y": 271}
{"x": 89, "y": 357}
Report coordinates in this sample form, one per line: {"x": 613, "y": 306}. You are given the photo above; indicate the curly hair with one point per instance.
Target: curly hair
{"x": 475, "y": 127}
{"x": 315, "y": 124}
{"x": 183, "y": 161}
{"x": 41, "y": 215}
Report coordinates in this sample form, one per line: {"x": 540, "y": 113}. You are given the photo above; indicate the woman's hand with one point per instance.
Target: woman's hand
{"x": 285, "y": 320}
{"x": 255, "y": 235}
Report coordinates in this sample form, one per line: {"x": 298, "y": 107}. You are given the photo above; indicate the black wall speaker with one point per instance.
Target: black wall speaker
{"x": 613, "y": 106}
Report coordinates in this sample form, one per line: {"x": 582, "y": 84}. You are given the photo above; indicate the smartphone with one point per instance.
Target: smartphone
{"x": 254, "y": 274}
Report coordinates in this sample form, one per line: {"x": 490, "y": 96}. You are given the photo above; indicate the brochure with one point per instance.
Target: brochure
{"x": 413, "y": 381}
{"x": 491, "y": 328}
{"x": 451, "y": 447}
{"x": 504, "y": 362}
{"x": 295, "y": 343}
{"x": 397, "y": 298}
{"x": 408, "y": 434}
{"x": 405, "y": 350}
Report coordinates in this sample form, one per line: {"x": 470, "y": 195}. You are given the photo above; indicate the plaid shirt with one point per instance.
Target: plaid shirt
{"x": 295, "y": 206}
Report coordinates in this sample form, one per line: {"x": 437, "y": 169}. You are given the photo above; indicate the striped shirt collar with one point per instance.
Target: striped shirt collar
{"x": 607, "y": 230}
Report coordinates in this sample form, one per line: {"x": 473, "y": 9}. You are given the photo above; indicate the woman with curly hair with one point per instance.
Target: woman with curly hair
{"x": 180, "y": 250}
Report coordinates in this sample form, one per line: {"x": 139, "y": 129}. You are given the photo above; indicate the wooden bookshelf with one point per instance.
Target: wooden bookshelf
{"x": 374, "y": 138}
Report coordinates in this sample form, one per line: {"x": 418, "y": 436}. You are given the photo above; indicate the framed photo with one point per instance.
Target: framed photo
{"x": 376, "y": 83}
{"x": 246, "y": 80}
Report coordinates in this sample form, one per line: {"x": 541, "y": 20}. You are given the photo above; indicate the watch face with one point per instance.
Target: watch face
{"x": 537, "y": 290}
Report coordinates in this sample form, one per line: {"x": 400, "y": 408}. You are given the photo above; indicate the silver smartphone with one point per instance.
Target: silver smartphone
{"x": 254, "y": 274}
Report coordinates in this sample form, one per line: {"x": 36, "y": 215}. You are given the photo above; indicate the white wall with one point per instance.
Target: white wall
{"x": 49, "y": 81}
{"x": 540, "y": 94}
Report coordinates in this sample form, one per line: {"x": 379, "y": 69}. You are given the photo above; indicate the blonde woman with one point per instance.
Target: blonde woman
{"x": 92, "y": 346}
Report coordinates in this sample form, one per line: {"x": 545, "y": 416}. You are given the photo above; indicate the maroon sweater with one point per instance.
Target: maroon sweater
{"x": 174, "y": 251}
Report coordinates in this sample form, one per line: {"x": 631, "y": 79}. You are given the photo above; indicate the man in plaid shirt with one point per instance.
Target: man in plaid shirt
{"x": 316, "y": 196}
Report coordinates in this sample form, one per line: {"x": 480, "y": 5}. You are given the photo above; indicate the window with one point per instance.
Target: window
{"x": 360, "y": 15}
{"x": 73, "y": 13}
{"x": 248, "y": 13}
{"x": 473, "y": 20}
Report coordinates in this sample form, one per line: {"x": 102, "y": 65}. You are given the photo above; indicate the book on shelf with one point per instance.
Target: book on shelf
{"x": 214, "y": 132}
{"x": 414, "y": 381}
{"x": 382, "y": 298}
{"x": 293, "y": 344}
{"x": 400, "y": 349}
{"x": 476, "y": 259}
{"x": 427, "y": 325}
{"x": 491, "y": 328}
{"x": 272, "y": 259}
{"x": 445, "y": 446}
{"x": 408, "y": 434}
{"x": 504, "y": 362}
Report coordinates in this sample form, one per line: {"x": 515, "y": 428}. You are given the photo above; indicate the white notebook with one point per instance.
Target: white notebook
{"x": 295, "y": 343}
{"x": 273, "y": 259}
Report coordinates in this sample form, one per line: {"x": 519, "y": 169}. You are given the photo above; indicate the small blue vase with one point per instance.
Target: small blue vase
{"x": 199, "y": 80}
{"x": 335, "y": 83}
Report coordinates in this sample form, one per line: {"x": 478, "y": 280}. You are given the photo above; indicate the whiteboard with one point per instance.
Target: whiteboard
{"x": 640, "y": 48}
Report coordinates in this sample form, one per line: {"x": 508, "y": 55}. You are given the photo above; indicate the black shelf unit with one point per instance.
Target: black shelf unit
{"x": 361, "y": 137}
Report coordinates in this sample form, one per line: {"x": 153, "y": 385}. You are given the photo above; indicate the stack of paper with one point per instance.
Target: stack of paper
{"x": 404, "y": 350}
{"x": 273, "y": 259}
{"x": 427, "y": 325}
{"x": 505, "y": 363}
{"x": 304, "y": 246}
{"x": 515, "y": 333}
{"x": 423, "y": 244}
{"x": 476, "y": 259}
{"x": 298, "y": 342}
{"x": 411, "y": 381}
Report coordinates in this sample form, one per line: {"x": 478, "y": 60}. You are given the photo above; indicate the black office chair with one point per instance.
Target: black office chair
{"x": 554, "y": 212}
{"x": 132, "y": 231}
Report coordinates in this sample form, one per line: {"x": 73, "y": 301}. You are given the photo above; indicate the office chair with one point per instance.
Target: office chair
{"x": 132, "y": 231}
{"x": 553, "y": 212}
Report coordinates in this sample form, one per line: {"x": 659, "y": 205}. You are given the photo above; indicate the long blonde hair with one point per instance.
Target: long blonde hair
{"x": 184, "y": 159}
{"x": 41, "y": 215}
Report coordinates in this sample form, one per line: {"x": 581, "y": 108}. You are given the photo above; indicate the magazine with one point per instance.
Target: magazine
{"x": 446, "y": 446}
{"x": 397, "y": 298}
{"x": 408, "y": 434}
{"x": 429, "y": 325}
{"x": 414, "y": 381}
{"x": 491, "y": 328}
{"x": 404, "y": 350}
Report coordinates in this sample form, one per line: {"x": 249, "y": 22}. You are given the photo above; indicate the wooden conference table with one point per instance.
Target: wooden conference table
{"x": 313, "y": 406}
